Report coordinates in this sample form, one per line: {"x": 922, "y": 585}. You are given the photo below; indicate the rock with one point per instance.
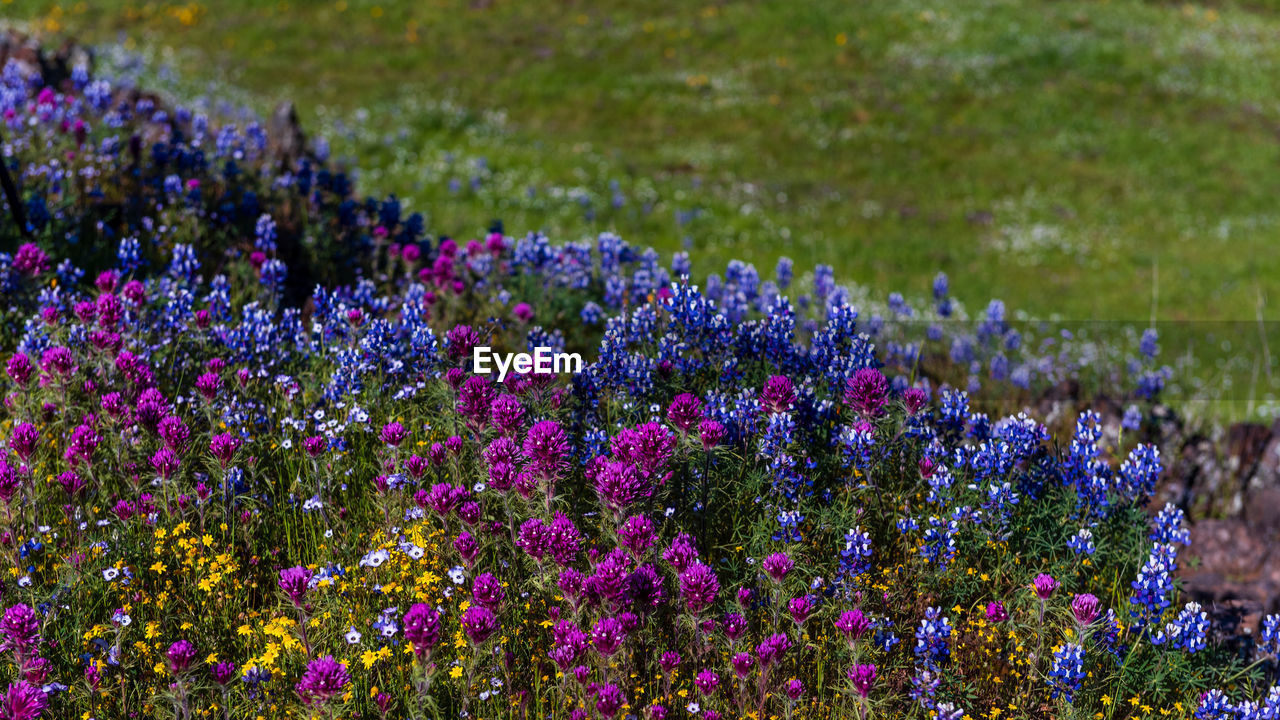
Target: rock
{"x": 288, "y": 142}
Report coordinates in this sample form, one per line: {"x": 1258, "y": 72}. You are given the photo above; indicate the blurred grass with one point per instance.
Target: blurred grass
{"x": 1079, "y": 160}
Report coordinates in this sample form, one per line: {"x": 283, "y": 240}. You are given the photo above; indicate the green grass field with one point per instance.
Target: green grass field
{"x": 1114, "y": 160}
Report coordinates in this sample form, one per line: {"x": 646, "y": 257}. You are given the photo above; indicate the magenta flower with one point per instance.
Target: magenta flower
{"x": 294, "y": 581}
{"x": 479, "y": 623}
{"x": 180, "y": 655}
{"x": 795, "y": 689}
{"x": 778, "y": 394}
{"x": 223, "y": 447}
{"x": 422, "y": 628}
{"x": 777, "y": 565}
{"x": 20, "y": 368}
{"x": 610, "y": 700}
{"x": 853, "y": 624}
{"x": 1086, "y": 609}
{"x": 223, "y": 673}
{"x": 323, "y": 679}
{"x": 742, "y": 663}
{"x": 23, "y": 701}
{"x": 772, "y": 649}
{"x": 637, "y": 534}
{"x": 487, "y": 591}
{"x": 547, "y": 449}
{"x": 30, "y": 260}
{"x": 801, "y": 608}
{"x": 208, "y": 385}
{"x": 20, "y": 627}
{"x": 607, "y": 636}
{"x": 393, "y": 433}
{"x": 507, "y": 414}
{"x": 523, "y": 312}
{"x": 996, "y": 612}
{"x": 699, "y": 586}
{"x": 863, "y": 678}
{"x": 867, "y": 391}
{"x": 685, "y": 411}
{"x": 315, "y": 445}
{"x": 1044, "y": 585}
{"x": 165, "y": 462}
{"x": 711, "y": 433}
{"x": 174, "y": 432}
{"x": 23, "y": 440}
{"x": 707, "y": 681}
{"x": 914, "y": 399}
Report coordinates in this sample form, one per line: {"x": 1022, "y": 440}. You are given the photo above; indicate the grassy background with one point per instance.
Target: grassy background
{"x": 1081, "y": 160}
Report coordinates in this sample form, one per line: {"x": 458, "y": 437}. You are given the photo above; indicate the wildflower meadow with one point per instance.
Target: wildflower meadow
{"x": 250, "y": 471}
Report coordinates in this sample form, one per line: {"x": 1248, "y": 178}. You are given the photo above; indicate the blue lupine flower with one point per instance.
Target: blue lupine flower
{"x": 1188, "y": 631}
{"x": 933, "y": 639}
{"x": 1082, "y": 542}
{"x": 1067, "y": 672}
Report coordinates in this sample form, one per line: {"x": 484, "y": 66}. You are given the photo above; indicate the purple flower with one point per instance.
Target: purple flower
{"x": 208, "y": 386}
{"x": 707, "y": 681}
{"x": 772, "y": 649}
{"x": 853, "y": 624}
{"x": 315, "y": 445}
{"x": 1044, "y": 585}
{"x": 1086, "y": 609}
{"x": 293, "y": 581}
{"x": 711, "y": 432}
{"x": 323, "y": 679}
{"x": 223, "y": 672}
{"x": 20, "y": 368}
{"x": 479, "y": 623}
{"x": 867, "y": 391}
{"x": 58, "y": 361}
{"x": 422, "y": 628}
{"x": 393, "y": 433}
{"x": 610, "y": 700}
{"x": 180, "y": 655}
{"x": 801, "y": 608}
{"x": 506, "y": 414}
{"x": 534, "y": 538}
{"x": 547, "y": 449}
{"x": 23, "y": 440}
{"x": 619, "y": 484}
{"x": 165, "y": 462}
{"x": 30, "y": 260}
{"x": 21, "y": 628}
{"x": 563, "y": 539}
{"x": 473, "y": 401}
{"x": 223, "y": 447}
{"x": 466, "y": 546}
{"x": 777, "y": 565}
{"x": 669, "y": 661}
{"x": 637, "y": 535}
{"x": 996, "y": 612}
{"x": 915, "y": 399}
{"x": 681, "y": 553}
{"x": 863, "y": 678}
{"x": 778, "y": 394}
{"x": 795, "y": 689}
{"x": 742, "y": 664}
{"x": 735, "y": 626}
{"x": 23, "y": 701}
{"x": 685, "y": 411}
{"x": 487, "y": 591}
{"x": 174, "y": 432}
{"x": 607, "y": 636}
{"x": 699, "y": 586}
